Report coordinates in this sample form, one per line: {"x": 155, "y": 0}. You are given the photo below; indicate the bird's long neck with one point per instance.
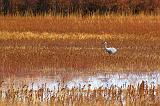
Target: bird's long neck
{"x": 105, "y": 45}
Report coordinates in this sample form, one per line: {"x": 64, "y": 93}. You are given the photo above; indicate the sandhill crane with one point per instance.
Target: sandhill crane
{"x": 110, "y": 50}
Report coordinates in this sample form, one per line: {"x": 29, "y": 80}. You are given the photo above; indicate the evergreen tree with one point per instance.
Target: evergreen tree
{"x": 42, "y": 7}
{"x": 5, "y": 6}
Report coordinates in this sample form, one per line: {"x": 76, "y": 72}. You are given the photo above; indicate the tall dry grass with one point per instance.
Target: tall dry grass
{"x": 45, "y": 44}
{"x": 73, "y": 24}
{"x": 76, "y": 42}
{"x": 33, "y": 51}
{"x": 141, "y": 95}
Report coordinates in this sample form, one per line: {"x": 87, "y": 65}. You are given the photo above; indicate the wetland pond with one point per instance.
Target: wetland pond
{"x": 79, "y": 80}
{"x": 47, "y": 88}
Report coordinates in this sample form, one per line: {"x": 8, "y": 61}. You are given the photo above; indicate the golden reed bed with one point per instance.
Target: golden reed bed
{"x": 78, "y": 51}
{"x": 110, "y": 24}
{"x": 141, "y": 95}
{"x": 34, "y": 44}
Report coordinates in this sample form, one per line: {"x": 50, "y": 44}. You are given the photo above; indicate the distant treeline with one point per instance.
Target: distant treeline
{"x": 81, "y": 7}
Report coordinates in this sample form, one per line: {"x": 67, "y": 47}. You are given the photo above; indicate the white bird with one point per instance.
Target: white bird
{"x": 110, "y": 50}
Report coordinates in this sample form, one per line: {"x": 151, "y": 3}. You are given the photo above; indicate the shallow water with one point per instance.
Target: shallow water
{"x": 95, "y": 80}
{"x": 52, "y": 85}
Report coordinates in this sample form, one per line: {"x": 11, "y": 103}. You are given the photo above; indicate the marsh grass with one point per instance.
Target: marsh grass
{"x": 141, "y": 95}
{"x": 136, "y": 52}
{"x": 111, "y": 24}
{"x": 33, "y": 45}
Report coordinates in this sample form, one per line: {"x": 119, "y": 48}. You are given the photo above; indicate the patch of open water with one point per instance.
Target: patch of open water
{"x": 95, "y": 81}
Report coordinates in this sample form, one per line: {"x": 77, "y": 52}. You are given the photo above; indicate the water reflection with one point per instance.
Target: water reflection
{"x": 106, "y": 87}
{"x": 95, "y": 81}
